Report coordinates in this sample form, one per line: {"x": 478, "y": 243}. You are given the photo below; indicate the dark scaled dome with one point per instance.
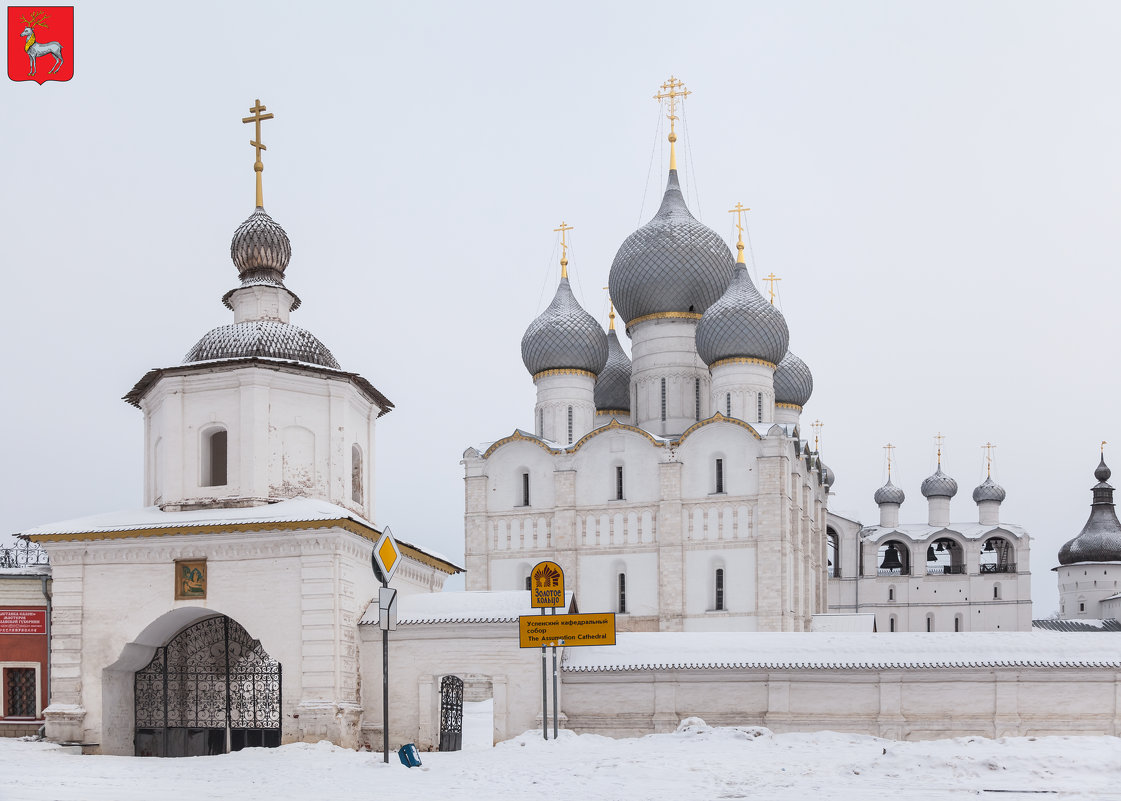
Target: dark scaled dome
{"x": 829, "y": 477}
{"x": 939, "y": 485}
{"x": 889, "y": 493}
{"x": 564, "y": 337}
{"x": 793, "y": 381}
{"x": 671, "y": 264}
{"x": 267, "y": 339}
{"x": 613, "y": 386}
{"x": 989, "y": 490}
{"x": 741, "y": 323}
{"x": 260, "y": 247}
{"x": 1100, "y": 538}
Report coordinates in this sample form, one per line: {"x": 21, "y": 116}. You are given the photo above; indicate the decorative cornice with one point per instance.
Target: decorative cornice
{"x": 742, "y": 360}
{"x": 793, "y": 406}
{"x": 564, "y": 371}
{"x": 520, "y": 436}
{"x": 663, "y": 316}
{"x": 616, "y": 426}
{"x": 614, "y": 412}
{"x": 719, "y": 418}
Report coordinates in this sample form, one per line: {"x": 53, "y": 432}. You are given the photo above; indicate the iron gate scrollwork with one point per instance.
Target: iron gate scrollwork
{"x": 451, "y": 713}
{"x": 211, "y": 689}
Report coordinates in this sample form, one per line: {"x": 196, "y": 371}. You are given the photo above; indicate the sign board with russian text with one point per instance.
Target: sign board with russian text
{"x": 23, "y": 621}
{"x": 546, "y": 586}
{"x": 535, "y": 631}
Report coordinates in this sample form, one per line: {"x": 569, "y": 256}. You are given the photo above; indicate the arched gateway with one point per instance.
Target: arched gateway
{"x": 211, "y": 689}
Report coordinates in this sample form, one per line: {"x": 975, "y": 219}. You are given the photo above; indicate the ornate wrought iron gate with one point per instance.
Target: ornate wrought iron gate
{"x": 210, "y": 690}
{"x": 451, "y": 713}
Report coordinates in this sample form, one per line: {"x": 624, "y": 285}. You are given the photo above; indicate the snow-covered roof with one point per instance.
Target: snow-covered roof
{"x": 292, "y": 510}
{"x": 1090, "y": 625}
{"x": 922, "y": 531}
{"x": 854, "y": 622}
{"x": 460, "y": 607}
{"x": 665, "y": 650}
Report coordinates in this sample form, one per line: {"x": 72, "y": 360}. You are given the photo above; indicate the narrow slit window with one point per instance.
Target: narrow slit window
{"x": 618, "y": 482}
{"x": 356, "y": 493}
{"x": 527, "y": 583}
{"x": 569, "y": 425}
{"x": 622, "y": 593}
{"x": 663, "y": 400}
{"x": 891, "y": 623}
{"x": 697, "y": 398}
{"x": 929, "y": 623}
{"x": 525, "y": 489}
{"x": 719, "y": 475}
{"x": 728, "y": 404}
{"x": 719, "y": 589}
{"x": 759, "y": 408}
{"x": 541, "y": 422}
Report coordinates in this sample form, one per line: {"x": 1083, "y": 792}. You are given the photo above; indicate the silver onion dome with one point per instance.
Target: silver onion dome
{"x": 742, "y": 323}
{"x": 989, "y": 490}
{"x": 1100, "y": 538}
{"x": 939, "y": 485}
{"x": 260, "y": 247}
{"x": 889, "y": 493}
{"x": 671, "y": 264}
{"x": 613, "y": 386}
{"x": 793, "y": 381}
{"x": 564, "y": 337}
{"x": 267, "y": 339}
{"x": 829, "y": 477}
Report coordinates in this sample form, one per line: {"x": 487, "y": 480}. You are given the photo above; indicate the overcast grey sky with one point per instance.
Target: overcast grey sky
{"x": 937, "y": 185}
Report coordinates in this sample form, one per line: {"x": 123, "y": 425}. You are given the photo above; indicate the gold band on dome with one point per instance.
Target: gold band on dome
{"x": 664, "y": 316}
{"x": 563, "y": 371}
{"x": 743, "y": 360}
{"x": 614, "y": 412}
{"x": 793, "y": 406}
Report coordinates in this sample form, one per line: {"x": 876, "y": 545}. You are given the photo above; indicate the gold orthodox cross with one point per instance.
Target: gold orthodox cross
{"x": 671, "y": 91}
{"x": 939, "y": 439}
{"x": 564, "y": 248}
{"x": 738, "y": 211}
{"x": 988, "y": 448}
{"x": 1104, "y": 443}
{"x": 770, "y": 279}
{"x": 817, "y": 426}
{"x": 258, "y": 165}
{"x": 611, "y": 312}
{"x": 890, "y": 449}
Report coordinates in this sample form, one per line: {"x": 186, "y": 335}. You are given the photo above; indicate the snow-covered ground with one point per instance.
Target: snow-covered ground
{"x": 697, "y": 762}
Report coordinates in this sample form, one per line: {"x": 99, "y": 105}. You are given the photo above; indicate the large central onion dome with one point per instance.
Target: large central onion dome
{"x": 1100, "y": 538}
{"x": 793, "y": 381}
{"x": 564, "y": 337}
{"x": 741, "y": 323}
{"x": 613, "y": 387}
{"x": 671, "y": 264}
{"x": 939, "y": 485}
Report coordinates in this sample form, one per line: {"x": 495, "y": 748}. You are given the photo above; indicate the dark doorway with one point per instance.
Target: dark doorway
{"x": 210, "y": 690}
{"x": 451, "y": 713}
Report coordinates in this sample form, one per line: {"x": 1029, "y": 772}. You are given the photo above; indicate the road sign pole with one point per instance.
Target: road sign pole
{"x": 555, "y": 704}
{"x": 544, "y": 692}
{"x": 385, "y": 690}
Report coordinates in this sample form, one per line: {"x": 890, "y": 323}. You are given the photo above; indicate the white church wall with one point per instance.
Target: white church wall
{"x": 734, "y": 446}
{"x": 504, "y": 470}
{"x": 596, "y": 585}
{"x": 595, "y": 464}
{"x": 739, "y": 590}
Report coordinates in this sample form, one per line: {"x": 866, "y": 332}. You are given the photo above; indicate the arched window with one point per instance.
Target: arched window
{"x": 618, "y": 482}
{"x": 719, "y": 606}
{"x": 996, "y": 592}
{"x": 997, "y": 556}
{"x": 356, "y": 493}
{"x": 930, "y": 622}
{"x": 525, "y": 489}
{"x": 894, "y": 559}
{"x": 527, "y": 583}
{"x": 891, "y": 623}
{"x": 719, "y": 475}
{"x": 622, "y": 598}
{"x": 833, "y": 553}
{"x": 891, "y": 593}
{"x": 213, "y": 457}
{"x": 957, "y": 622}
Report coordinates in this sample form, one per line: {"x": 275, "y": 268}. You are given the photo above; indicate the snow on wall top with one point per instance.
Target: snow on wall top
{"x": 665, "y": 650}
{"x": 460, "y": 607}
{"x": 921, "y": 531}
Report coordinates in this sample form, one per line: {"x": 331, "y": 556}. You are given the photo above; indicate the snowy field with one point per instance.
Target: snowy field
{"x": 697, "y": 763}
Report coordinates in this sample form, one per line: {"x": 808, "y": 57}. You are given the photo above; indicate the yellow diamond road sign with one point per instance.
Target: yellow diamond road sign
{"x": 387, "y": 554}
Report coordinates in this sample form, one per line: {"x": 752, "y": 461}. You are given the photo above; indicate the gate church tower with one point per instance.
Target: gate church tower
{"x": 251, "y": 558}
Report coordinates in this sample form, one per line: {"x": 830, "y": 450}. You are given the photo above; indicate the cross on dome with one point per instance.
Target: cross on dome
{"x": 258, "y": 146}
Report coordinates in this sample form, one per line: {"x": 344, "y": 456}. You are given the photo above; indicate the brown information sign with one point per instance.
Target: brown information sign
{"x": 546, "y": 586}
{"x": 537, "y": 630}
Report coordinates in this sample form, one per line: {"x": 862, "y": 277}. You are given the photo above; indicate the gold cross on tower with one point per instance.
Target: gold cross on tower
{"x": 817, "y": 426}
{"x": 738, "y": 211}
{"x": 258, "y": 165}
{"x": 671, "y": 91}
{"x": 988, "y": 448}
{"x": 939, "y": 440}
{"x": 564, "y": 248}
{"x": 890, "y": 450}
{"x": 611, "y": 312}
{"x": 770, "y": 279}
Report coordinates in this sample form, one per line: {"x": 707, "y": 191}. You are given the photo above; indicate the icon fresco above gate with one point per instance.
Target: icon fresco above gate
{"x": 190, "y": 579}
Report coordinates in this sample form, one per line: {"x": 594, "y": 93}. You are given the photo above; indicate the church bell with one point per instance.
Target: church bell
{"x": 891, "y": 558}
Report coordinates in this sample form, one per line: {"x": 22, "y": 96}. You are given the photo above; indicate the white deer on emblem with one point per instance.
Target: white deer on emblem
{"x": 35, "y": 49}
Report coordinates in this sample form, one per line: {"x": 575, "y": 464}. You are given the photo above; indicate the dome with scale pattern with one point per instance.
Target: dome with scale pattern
{"x": 613, "y": 386}
{"x": 564, "y": 337}
{"x": 939, "y": 485}
{"x": 267, "y": 339}
{"x": 741, "y": 323}
{"x": 260, "y": 248}
{"x": 793, "y": 381}
{"x": 889, "y": 493}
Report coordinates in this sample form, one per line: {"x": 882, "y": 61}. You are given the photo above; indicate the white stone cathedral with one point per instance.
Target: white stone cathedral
{"x": 675, "y": 489}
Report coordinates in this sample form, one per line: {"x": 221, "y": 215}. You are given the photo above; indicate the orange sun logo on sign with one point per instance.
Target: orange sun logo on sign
{"x": 40, "y": 43}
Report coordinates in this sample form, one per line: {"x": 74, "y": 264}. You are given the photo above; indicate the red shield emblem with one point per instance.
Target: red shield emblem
{"x": 40, "y": 43}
